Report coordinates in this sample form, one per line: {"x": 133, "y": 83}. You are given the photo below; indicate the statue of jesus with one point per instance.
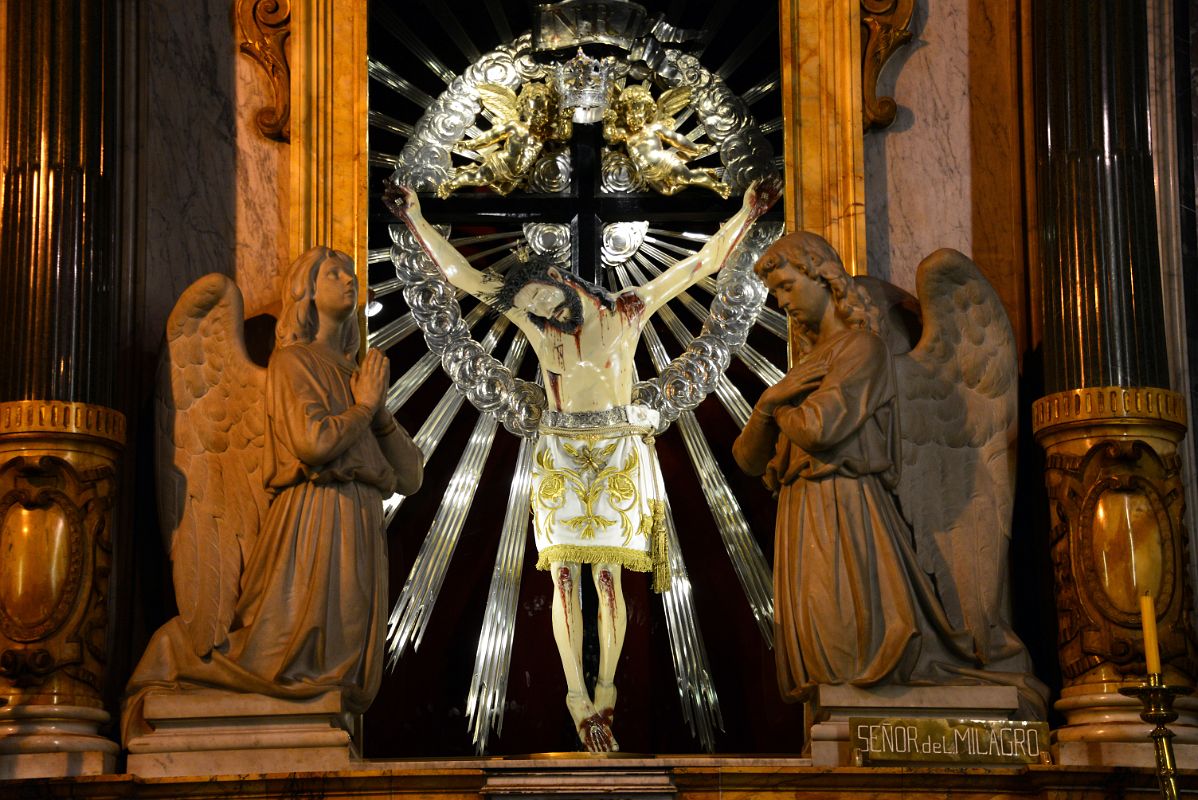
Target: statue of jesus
{"x": 596, "y": 498}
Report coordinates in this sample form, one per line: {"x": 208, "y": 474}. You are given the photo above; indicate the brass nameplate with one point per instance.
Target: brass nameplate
{"x": 904, "y": 740}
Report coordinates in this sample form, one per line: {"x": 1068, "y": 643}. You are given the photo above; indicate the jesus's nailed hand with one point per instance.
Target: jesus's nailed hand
{"x": 401, "y": 200}
{"x": 762, "y": 194}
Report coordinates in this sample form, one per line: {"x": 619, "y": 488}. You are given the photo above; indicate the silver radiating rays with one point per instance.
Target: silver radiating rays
{"x": 752, "y": 570}
{"x": 492, "y": 661}
{"x": 411, "y": 615}
{"x": 692, "y": 675}
{"x": 429, "y": 437}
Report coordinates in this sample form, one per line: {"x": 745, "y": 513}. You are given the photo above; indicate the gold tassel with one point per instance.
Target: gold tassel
{"x": 660, "y": 543}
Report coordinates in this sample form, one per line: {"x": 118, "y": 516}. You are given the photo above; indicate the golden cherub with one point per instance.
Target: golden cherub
{"x": 646, "y": 127}
{"x": 524, "y": 124}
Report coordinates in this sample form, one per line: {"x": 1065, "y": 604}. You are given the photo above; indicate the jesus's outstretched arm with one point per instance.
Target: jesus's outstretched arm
{"x": 404, "y": 204}
{"x": 758, "y": 198}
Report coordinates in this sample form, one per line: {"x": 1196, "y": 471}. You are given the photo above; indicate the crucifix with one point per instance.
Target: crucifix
{"x": 596, "y": 498}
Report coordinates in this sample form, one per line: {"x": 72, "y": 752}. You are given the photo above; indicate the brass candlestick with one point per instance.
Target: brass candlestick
{"x": 1157, "y": 699}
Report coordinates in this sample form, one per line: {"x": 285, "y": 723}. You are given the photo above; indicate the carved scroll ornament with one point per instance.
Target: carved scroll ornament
{"x": 264, "y": 27}
{"x": 1115, "y": 500}
{"x": 884, "y": 29}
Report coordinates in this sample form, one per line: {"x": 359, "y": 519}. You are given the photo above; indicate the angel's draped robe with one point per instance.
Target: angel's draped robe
{"x": 851, "y": 604}
{"x": 311, "y": 614}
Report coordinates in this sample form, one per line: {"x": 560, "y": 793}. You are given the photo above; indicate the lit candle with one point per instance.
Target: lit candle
{"x": 1152, "y": 653}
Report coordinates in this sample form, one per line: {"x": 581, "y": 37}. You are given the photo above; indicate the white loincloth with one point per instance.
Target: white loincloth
{"x": 595, "y": 496}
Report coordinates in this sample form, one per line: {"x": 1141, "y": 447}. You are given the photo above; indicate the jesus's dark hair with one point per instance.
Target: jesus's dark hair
{"x": 536, "y": 269}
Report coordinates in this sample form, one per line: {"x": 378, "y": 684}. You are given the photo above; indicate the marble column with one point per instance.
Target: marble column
{"x": 1110, "y": 423}
{"x": 59, "y": 435}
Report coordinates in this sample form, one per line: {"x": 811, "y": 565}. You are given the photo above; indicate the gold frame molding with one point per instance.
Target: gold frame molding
{"x": 329, "y": 154}
{"x": 824, "y": 150}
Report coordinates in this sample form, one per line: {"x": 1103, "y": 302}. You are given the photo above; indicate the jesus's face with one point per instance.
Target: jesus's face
{"x": 539, "y": 299}
{"x": 553, "y": 305}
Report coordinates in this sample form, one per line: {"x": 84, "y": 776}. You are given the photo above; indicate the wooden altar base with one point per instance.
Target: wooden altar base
{"x": 680, "y": 777}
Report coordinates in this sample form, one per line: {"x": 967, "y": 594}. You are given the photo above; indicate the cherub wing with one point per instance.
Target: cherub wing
{"x": 210, "y": 421}
{"x": 500, "y": 101}
{"x": 671, "y": 102}
{"x": 957, "y": 391}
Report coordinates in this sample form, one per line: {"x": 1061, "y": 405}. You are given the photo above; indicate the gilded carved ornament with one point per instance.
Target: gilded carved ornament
{"x": 643, "y": 127}
{"x": 264, "y": 27}
{"x": 1115, "y": 500}
{"x": 1109, "y": 404}
{"x": 1114, "y": 537}
{"x": 57, "y": 478}
{"x": 884, "y": 29}
{"x": 527, "y": 125}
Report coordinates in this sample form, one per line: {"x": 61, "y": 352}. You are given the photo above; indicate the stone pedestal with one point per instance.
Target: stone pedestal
{"x": 211, "y": 732}
{"x": 832, "y": 706}
{"x": 42, "y": 741}
{"x": 1103, "y": 728}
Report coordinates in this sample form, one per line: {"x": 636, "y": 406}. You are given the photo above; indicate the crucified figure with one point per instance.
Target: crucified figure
{"x": 596, "y": 498}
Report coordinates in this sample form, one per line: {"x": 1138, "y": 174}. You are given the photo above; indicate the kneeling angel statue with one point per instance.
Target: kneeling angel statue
{"x": 272, "y": 497}
{"x": 894, "y": 469}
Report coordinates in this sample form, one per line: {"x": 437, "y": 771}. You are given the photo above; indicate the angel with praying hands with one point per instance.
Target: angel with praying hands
{"x": 646, "y": 128}
{"x": 524, "y": 125}
{"x": 271, "y": 497}
{"x": 863, "y": 425}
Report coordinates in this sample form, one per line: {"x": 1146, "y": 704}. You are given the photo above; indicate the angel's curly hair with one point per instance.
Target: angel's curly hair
{"x": 550, "y": 123}
{"x": 810, "y": 254}
{"x": 299, "y": 321}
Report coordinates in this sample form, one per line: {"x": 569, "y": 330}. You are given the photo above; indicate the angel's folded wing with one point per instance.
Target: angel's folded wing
{"x": 500, "y": 101}
{"x": 210, "y": 423}
{"x": 957, "y": 392}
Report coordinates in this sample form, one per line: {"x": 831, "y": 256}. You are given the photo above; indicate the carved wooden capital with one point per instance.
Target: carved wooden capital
{"x": 53, "y": 417}
{"x": 884, "y": 29}
{"x": 1108, "y": 404}
{"x": 264, "y": 27}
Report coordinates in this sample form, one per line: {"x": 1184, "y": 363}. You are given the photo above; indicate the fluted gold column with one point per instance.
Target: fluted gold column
{"x": 1109, "y": 424}
{"x": 59, "y": 437}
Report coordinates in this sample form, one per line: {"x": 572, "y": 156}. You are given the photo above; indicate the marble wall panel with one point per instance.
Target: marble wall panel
{"x": 211, "y": 184}
{"x": 949, "y": 171}
{"x": 188, "y": 155}
{"x": 917, "y": 178}
{"x": 261, "y": 211}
